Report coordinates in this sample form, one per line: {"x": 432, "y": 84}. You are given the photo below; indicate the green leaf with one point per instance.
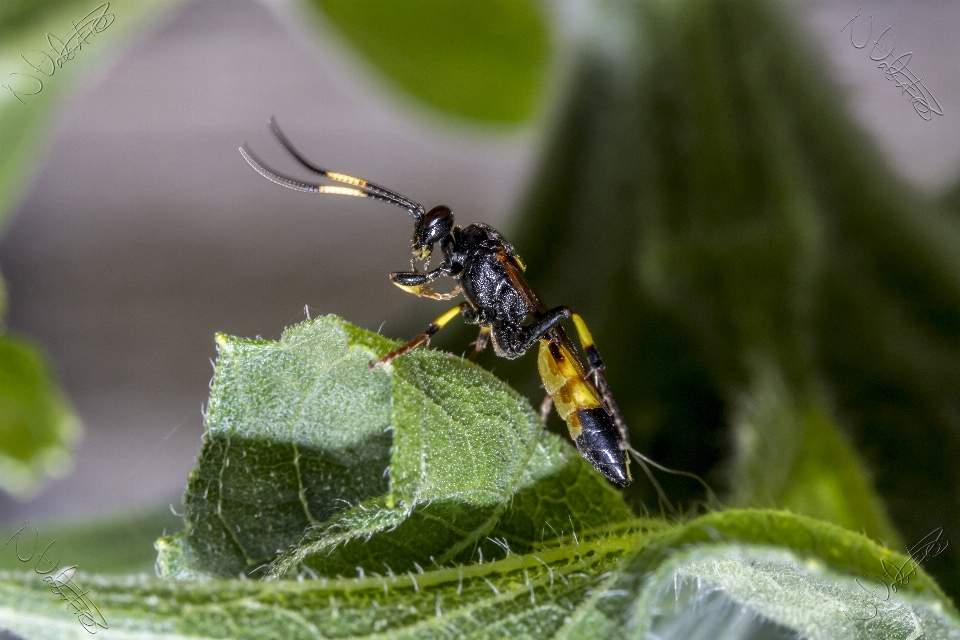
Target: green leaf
{"x": 480, "y": 59}
{"x": 313, "y": 463}
{"x": 644, "y": 576}
{"x": 749, "y": 592}
{"x": 484, "y": 526}
{"x": 795, "y": 457}
{"x": 828, "y": 479}
{"x": 37, "y": 427}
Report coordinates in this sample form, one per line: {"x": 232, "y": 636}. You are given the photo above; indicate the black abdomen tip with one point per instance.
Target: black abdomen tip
{"x": 599, "y": 443}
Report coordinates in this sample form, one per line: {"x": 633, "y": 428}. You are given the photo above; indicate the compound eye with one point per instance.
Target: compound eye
{"x": 441, "y": 211}
{"x": 437, "y": 224}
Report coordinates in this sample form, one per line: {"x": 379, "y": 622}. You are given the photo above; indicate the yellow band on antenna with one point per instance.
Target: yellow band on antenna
{"x": 343, "y": 191}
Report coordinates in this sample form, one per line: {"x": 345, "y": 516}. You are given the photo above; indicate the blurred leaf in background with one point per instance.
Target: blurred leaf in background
{"x": 37, "y": 75}
{"x": 115, "y": 545}
{"x": 37, "y": 427}
{"x": 776, "y": 309}
{"x": 484, "y": 60}
{"x": 24, "y": 128}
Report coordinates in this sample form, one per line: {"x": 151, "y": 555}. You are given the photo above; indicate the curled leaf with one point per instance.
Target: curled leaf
{"x": 314, "y": 463}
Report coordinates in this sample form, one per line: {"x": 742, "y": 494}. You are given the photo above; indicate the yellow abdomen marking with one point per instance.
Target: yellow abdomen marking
{"x": 565, "y": 381}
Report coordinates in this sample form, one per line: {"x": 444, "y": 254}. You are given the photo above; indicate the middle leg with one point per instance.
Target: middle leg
{"x": 545, "y": 408}
{"x": 481, "y": 343}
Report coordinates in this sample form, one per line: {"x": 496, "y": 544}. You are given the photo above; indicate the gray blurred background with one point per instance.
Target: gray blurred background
{"x": 144, "y": 232}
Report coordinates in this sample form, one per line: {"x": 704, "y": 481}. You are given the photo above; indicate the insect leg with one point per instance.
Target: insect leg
{"x": 416, "y": 283}
{"x": 432, "y": 329}
{"x": 599, "y": 379}
{"x": 552, "y": 318}
{"x": 481, "y": 343}
{"x": 517, "y": 340}
{"x": 545, "y": 408}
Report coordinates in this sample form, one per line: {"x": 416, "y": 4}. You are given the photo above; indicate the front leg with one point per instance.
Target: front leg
{"x": 416, "y": 282}
{"x": 431, "y": 330}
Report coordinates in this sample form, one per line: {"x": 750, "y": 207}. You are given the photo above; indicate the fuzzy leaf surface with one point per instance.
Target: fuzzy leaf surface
{"x": 619, "y": 583}
{"x": 313, "y": 463}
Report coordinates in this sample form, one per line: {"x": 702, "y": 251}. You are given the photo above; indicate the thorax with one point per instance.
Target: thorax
{"x": 491, "y": 278}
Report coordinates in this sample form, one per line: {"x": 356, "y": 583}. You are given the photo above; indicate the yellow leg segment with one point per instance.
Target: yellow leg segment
{"x": 440, "y": 322}
{"x": 586, "y": 340}
{"x": 432, "y": 329}
{"x": 423, "y": 291}
{"x": 599, "y": 379}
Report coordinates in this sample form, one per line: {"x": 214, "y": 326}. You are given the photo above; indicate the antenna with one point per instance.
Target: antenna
{"x": 358, "y": 188}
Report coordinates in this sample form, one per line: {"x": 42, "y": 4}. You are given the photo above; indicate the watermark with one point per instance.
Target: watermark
{"x": 46, "y": 62}
{"x": 896, "y": 577}
{"x": 61, "y": 582}
{"x": 895, "y": 69}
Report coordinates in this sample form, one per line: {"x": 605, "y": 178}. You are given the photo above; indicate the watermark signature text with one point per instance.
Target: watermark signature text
{"x": 896, "y": 577}
{"x": 895, "y": 69}
{"x": 46, "y": 62}
{"x": 61, "y": 581}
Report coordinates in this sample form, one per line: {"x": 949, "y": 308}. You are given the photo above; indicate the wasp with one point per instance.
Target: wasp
{"x": 497, "y": 297}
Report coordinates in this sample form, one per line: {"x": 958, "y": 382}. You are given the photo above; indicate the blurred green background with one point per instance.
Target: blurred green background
{"x": 758, "y": 227}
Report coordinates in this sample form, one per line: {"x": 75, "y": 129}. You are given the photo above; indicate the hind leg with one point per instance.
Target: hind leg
{"x": 599, "y": 379}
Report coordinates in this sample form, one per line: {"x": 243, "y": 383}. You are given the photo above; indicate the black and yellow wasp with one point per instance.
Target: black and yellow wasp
{"x": 498, "y": 298}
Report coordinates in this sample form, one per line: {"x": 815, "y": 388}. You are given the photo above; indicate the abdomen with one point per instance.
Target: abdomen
{"x": 577, "y": 401}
